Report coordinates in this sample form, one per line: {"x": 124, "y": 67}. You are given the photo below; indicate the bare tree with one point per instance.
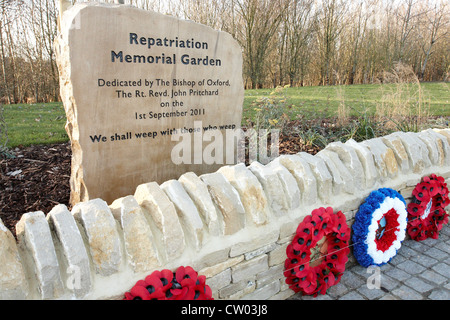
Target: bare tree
{"x": 260, "y": 21}
{"x": 434, "y": 22}
{"x": 328, "y": 27}
{"x": 297, "y": 33}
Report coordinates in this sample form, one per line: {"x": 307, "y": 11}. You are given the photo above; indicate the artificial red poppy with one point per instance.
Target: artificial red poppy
{"x": 186, "y": 276}
{"x": 201, "y": 291}
{"x": 183, "y": 284}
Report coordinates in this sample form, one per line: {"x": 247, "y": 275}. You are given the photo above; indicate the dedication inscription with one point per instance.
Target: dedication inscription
{"x": 133, "y": 81}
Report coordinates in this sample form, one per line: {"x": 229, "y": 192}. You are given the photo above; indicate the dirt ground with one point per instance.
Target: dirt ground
{"x": 36, "y": 179}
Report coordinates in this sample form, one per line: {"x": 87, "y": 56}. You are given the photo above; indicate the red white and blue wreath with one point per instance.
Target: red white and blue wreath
{"x": 426, "y": 212}
{"x": 318, "y": 253}
{"x": 379, "y": 227}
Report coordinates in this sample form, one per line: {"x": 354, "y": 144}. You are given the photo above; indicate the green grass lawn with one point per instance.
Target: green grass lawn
{"x": 44, "y": 123}
{"x": 324, "y": 100}
{"x": 41, "y": 123}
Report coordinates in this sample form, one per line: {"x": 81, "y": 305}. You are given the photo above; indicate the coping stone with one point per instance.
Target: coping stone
{"x": 33, "y": 233}
{"x": 67, "y": 233}
{"x": 323, "y": 176}
{"x": 157, "y": 205}
{"x": 13, "y": 282}
{"x": 198, "y": 191}
{"x": 272, "y": 186}
{"x": 351, "y": 160}
{"x": 337, "y": 180}
{"x": 250, "y": 191}
{"x": 289, "y": 184}
{"x": 227, "y": 200}
{"x": 335, "y": 165}
{"x": 416, "y": 149}
{"x": 140, "y": 246}
{"x": 367, "y": 161}
{"x": 187, "y": 212}
{"x": 102, "y": 235}
{"x": 436, "y": 140}
{"x": 384, "y": 158}
{"x": 395, "y": 143}
{"x": 304, "y": 176}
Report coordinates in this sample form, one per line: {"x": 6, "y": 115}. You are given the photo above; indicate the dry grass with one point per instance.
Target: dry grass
{"x": 403, "y": 105}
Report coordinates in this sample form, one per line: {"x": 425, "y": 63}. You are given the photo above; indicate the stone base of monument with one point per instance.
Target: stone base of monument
{"x": 232, "y": 225}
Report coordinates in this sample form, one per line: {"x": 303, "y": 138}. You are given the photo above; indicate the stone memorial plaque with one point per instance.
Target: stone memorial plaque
{"x": 132, "y": 83}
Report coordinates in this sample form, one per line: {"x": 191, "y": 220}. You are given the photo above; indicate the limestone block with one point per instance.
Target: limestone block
{"x": 33, "y": 233}
{"x": 157, "y": 205}
{"x": 220, "y": 267}
{"x": 13, "y": 282}
{"x": 264, "y": 249}
{"x": 384, "y": 158}
{"x": 431, "y": 145}
{"x": 304, "y": 176}
{"x": 438, "y": 147}
{"x": 198, "y": 191}
{"x": 444, "y": 144}
{"x": 337, "y": 181}
{"x": 290, "y": 187}
{"x": 250, "y": 191}
{"x": 444, "y": 132}
{"x": 366, "y": 158}
{"x": 220, "y": 280}
{"x": 395, "y": 143}
{"x": 323, "y": 176}
{"x": 416, "y": 149}
{"x": 250, "y": 268}
{"x": 284, "y": 294}
{"x": 211, "y": 258}
{"x": 278, "y": 255}
{"x": 274, "y": 273}
{"x": 351, "y": 160}
{"x": 227, "y": 200}
{"x": 264, "y": 293}
{"x": 102, "y": 235}
{"x": 187, "y": 212}
{"x": 140, "y": 246}
{"x": 237, "y": 290}
{"x": 253, "y": 243}
{"x": 342, "y": 179}
{"x": 272, "y": 186}
{"x": 65, "y": 228}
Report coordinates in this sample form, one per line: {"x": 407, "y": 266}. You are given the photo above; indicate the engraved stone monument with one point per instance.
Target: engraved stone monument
{"x": 133, "y": 84}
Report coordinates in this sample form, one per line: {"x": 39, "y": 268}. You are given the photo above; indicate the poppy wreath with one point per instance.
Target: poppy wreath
{"x": 379, "y": 227}
{"x": 326, "y": 235}
{"x": 426, "y": 212}
{"x": 184, "y": 284}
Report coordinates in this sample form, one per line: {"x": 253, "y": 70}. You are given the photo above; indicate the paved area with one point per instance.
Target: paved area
{"x": 419, "y": 271}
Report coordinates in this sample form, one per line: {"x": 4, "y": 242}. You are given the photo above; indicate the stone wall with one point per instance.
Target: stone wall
{"x": 232, "y": 225}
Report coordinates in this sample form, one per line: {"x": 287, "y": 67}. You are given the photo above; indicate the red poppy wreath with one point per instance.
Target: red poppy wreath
{"x": 318, "y": 253}
{"x": 184, "y": 284}
{"x": 426, "y": 212}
